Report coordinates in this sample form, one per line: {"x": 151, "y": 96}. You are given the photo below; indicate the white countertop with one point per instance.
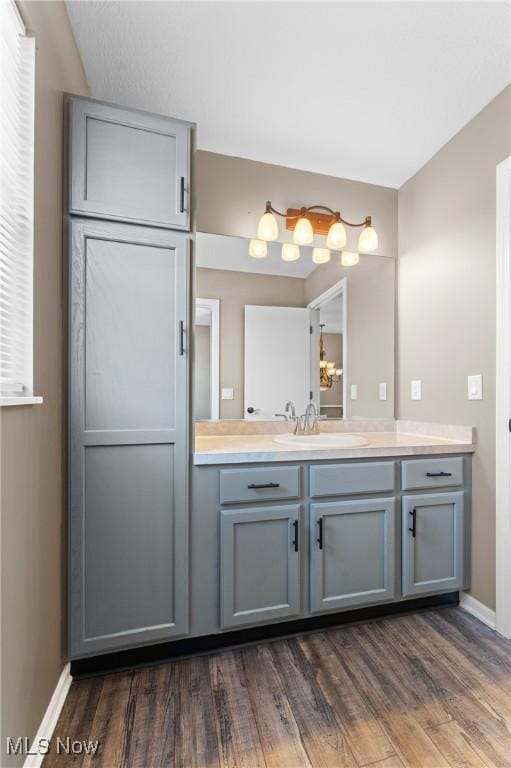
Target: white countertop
{"x": 246, "y": 449}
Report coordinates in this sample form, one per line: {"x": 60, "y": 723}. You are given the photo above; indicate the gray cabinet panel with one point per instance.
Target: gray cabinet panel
{"x": 128, "y": 436}
{"x": 352, "y": 477}
{"x": 128, "y": 539}
{"x": 129, "y": 165}
{"x": 431, "y": 473}
{"x": 352, "y": 553}
{"x": 259, "y": 484}
{"x": 259, "y": 569}
{"x": 432, "y": 536}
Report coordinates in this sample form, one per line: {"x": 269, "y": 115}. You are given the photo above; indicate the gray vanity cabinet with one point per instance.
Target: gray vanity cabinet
{"x": 433, "y": 533}
{"x": 129, "y": 165}
{"x": 259, "y": 564}
{"x": 352, "y": 553}
{"x": 128, "y": 435}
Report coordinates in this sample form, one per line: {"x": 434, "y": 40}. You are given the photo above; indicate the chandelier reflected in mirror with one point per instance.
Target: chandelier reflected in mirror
{"x": 328, "y": 373}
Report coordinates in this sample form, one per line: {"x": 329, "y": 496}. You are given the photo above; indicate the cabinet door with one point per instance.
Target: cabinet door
{"x": 128, "y": 436}
{"x": 352, "y": 553}
{"x": 260, "y": 564}
{"x": 432, "y": 535}
{"x": 129, "y": 165}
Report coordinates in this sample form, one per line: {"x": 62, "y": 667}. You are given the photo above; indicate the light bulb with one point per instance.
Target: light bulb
{"x": 349, "y": 258}
{"x": 268, "y": 229}
{"x": 290, "y": 252}
{"x": 258, "y": 249}
{"x": 320, "y": 255}
{"x": 303, "y": 233}
{"x": 368, "y": 240}
{"x": 336, "y": 238}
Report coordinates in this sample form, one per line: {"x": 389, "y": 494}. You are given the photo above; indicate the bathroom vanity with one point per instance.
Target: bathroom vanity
{"x": 285, "y": 534}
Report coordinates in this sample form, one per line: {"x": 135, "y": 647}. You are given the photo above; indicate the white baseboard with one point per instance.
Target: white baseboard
{"x": 477, "y": 609}
{"x": 51, "y": 716}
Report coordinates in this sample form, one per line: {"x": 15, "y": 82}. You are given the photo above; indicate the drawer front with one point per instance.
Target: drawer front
{"x": 242, "y": 485}
{"x": 344, "y": 479}
{"x": 431, "y": 473}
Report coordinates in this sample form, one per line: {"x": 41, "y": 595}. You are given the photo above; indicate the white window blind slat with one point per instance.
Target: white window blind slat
{"x": 17, "y": 59}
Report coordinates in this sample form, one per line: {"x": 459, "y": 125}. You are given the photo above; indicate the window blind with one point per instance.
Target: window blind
{"x": 17, "y": 54}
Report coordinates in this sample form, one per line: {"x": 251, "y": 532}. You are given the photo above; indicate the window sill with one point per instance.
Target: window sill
{"x": 20, "y": 400}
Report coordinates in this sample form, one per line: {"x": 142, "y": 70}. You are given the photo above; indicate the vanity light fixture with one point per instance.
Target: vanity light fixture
{"x": 349, "y": 258}
{"x": 320, "y": 255}
{"x": 305, "y": 223}
{"x": 290, "y": 252}
{"x": 258, "y": 249}
{"x": 328, "y": 373}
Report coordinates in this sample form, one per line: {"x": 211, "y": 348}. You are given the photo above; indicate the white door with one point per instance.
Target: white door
{"x": 277, "y": 360}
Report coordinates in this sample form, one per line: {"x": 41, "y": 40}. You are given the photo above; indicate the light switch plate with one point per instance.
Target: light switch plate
{"x": 417, "y": 389}
{"x": 383, "y": 391}
{"x": 227, "y": 393}
{"x": 475, "y": 387}
{"x": 354, "y": 391}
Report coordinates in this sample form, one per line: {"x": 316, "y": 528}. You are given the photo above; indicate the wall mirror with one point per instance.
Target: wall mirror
{"x": 268, "y": 331}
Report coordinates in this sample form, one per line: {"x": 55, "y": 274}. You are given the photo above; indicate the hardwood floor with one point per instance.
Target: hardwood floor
{"x": 421, "y": 691}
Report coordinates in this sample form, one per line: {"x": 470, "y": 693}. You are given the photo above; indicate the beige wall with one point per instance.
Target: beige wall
{"x": 446, "y": 303}
{"x": 32, "y": 437}
{"x": 235, "y": 289}
{"x": 231, "y": 194}
{"x": 369, "y": 352}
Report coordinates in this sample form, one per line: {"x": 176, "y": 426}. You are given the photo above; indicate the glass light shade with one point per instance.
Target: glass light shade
{"x": 338, "y": 371}
{"x": 349, "y": 258}
{"x": 322, "y": 363}
{"x": 368, "y": 240}
{"x": 303, "y": 233}
{"x": 267, "y": 229}
{"x": 330, "y": 367}
{"x": 320, "y": 255}
{"x": 258, "y": 249}
{"x": 336, "y": 238}
{"x": 290, "y": 252}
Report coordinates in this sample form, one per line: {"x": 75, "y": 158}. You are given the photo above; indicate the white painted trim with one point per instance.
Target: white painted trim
{"x": 213, "y": 305}
{"x": 503, "y": 400}
{"x": 35, "y": 400}
{"x": 51, "y": 717}
{"x": 477, "y": 609}
{"x": 338, "y": 288}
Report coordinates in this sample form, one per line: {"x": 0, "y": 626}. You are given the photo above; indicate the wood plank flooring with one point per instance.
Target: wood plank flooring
{"x": 423, "y": 690}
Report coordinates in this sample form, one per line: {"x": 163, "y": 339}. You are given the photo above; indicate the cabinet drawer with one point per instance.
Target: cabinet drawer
{"x": 343, "y": 479}
{"x": 241, "y": 485}
{"x": 431, "y": 473}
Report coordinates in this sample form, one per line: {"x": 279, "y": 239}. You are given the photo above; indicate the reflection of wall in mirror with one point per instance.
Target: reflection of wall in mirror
{"x": 235, "y": 290}
{"x": 331, "y": 399}
{"x": 202, "y": 382}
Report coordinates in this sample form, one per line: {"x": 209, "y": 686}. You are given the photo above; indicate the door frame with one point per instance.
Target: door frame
{"x": 503, "y": 400}
{"x": 337, "y": 289}
{"x": 213, "y": 306}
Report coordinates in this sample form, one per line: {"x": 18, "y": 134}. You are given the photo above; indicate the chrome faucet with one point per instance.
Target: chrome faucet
{"x": 289, "y": 411}
{"x": 307, "y": 424}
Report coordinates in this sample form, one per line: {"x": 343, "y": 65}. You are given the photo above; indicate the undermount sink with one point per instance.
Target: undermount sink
{"x": 322, "y": 441}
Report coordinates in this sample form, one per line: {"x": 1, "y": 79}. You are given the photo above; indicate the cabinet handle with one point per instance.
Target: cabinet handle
{"x": 295, "y": 540}
{"x": 182, "y": 195}
{"x": 253, "y": 486}
{"x": 438, "y": 474}
{"x": 320, "y": 531}
{"x": 413, "y": 529}
{"x": 181, "y": 337}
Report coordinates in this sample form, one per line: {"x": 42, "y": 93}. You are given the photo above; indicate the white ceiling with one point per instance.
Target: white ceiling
{"x": 222, "y": 252}
{"x": 361, "y": 90}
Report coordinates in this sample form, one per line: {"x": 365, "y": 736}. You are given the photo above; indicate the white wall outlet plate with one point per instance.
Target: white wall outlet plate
{"x": 383, "y": 391}
{"x": 417, "y": 389}
{"x": 475, "y": 387}
{"x": 227, "y": 393}
{"x": 353, "y": 391}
